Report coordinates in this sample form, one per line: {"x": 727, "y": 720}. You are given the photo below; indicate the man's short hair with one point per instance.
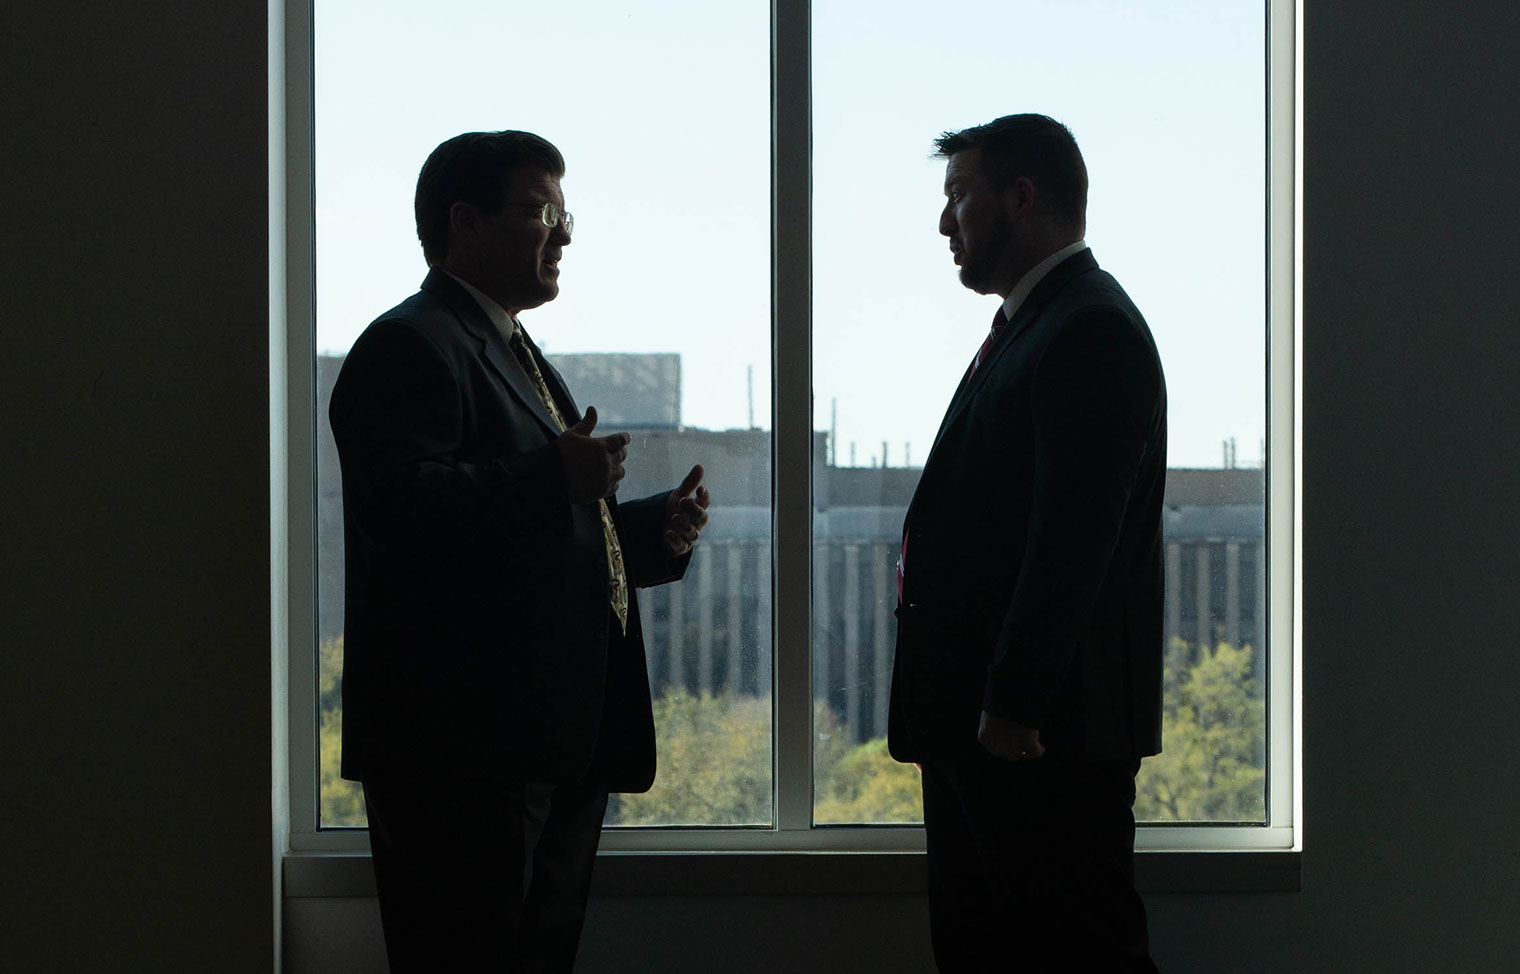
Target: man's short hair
{"x": 1033, "y": 146}
{"x": 473, "y": 168}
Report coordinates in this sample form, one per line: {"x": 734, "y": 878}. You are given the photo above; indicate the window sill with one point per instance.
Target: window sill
{"x": 349, "y": 874}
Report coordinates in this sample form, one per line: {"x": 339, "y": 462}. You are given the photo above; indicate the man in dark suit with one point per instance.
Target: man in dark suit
{"x": 494, "y": 685}
{"x": 1027, "y": 681}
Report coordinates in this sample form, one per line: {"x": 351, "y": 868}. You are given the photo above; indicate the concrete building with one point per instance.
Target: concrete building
{"x": 713, "y": 633}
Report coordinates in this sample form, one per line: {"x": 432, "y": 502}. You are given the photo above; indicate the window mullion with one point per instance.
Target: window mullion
{"x": 791, "y": 363}
{"x": 1284, "y": 250}
{"x": 297, "y": 428}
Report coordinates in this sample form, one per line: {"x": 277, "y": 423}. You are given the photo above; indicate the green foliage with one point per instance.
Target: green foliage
{"x": 342, "y": 801}
{"x": 715, "y": 756}
{"x": 714, "y": 764}
{"x": 866, "y": 785}
{"x": 1211, "y": 768}
{"x": 715, "y": 769}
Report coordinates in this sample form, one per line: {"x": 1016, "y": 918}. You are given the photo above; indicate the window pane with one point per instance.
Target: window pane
{"x": 1167, "y": 101}
{"x": 662, "y": 112}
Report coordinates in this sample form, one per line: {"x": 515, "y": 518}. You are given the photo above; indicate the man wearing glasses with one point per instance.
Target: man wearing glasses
{"x": 494, "y": 685}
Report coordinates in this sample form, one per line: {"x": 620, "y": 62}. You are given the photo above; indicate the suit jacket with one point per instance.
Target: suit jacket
{"x": 1032, "y": 581}
{"x": 479, "y": 639}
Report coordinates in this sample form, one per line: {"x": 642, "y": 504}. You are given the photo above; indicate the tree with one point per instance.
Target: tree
{"x": 714, "y": 755}
{"x": 1213, "y": 759}
{"x": 342, "y": 801}
{"x": 714, "y": 758}
{"x": 866, "y": 785}
{"x": 715, "y": 769}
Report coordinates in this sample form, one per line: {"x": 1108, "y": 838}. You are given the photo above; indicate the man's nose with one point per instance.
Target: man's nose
{"x": 559, "y": 235}
{"x": 947, "y": 224}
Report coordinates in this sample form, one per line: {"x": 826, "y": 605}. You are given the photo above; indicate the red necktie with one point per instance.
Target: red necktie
{"x": 998, "y": 321}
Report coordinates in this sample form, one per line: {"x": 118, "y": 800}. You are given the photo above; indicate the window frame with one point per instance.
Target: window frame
{"x": 293, "y": 506}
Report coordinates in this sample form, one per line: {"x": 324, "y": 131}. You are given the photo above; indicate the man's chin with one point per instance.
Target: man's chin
{"x": 971, "y": 280}
{"x": 546, "y": 292}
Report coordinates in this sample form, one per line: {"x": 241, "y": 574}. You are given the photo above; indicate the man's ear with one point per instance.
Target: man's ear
{"x": 464, "y": 222}
{"x": 1024, "y": 196}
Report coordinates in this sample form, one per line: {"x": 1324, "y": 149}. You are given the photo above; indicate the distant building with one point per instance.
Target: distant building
{"x": 628, "y": 391}
{"x": 712, "y": 632}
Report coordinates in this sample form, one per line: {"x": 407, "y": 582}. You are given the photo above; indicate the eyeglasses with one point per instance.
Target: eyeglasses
{"x": 551, "y": 215}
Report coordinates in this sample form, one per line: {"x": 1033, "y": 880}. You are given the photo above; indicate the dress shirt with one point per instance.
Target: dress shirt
{"x": 1029, "y": 280}
{"x": 500, "y": 317}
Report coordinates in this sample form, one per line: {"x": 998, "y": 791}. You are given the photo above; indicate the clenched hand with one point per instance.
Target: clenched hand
{"x": 593, "y": 464}
{"x": 1009, "y": 739}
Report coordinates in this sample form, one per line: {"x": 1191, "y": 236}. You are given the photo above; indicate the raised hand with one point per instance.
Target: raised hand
{"x": 593, "y": 464}
{"x": 686, "y": 513}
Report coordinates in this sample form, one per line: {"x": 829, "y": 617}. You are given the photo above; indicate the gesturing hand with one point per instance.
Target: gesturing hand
{"x": 593, "y": 464}
{"x": 1009, "y": 739}
{"x": 685, "y": 513}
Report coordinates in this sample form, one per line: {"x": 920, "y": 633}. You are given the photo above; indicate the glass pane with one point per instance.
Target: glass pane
{"x": 1167, "y": 102}
{"x": 662, "y": 111}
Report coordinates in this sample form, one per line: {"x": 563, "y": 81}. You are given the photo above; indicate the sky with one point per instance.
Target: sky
{"x": 662, "y": 110}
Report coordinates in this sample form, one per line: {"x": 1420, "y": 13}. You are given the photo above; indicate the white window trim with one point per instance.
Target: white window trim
{"x": 294, "y": 497}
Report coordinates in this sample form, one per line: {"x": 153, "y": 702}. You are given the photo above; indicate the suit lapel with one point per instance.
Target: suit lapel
{"x": 500, "y": 357}
{"x": 1050, "y": 285}
{"x": 556, "y": 383}
{"x": 951, "y": 409}
{"x": 493, "y": 347}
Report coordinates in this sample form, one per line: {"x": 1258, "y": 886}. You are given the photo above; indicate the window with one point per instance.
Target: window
{"x": 1162, "y": 99}
{"x": 663, "y": 321}
{"x": 757, "y": 284}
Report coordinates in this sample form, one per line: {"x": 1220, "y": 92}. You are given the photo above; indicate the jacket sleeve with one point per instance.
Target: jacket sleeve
{"x": 397, "y": 416}
{"x": 1097, "y": 396}
{"x": 641, "y": 533}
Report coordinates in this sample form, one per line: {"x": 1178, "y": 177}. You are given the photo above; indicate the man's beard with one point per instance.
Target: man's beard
{"x": 981, "y": 266}
{"x": 976, "y": 276}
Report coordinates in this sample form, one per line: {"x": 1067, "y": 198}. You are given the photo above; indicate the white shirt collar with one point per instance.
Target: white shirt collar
{"x": 499, "y": 316}
{"x": 1036, "y": 274}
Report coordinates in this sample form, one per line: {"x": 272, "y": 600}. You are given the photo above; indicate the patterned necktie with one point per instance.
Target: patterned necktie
{"x": 998, "y": 321}
{"x": 617, "y": 577}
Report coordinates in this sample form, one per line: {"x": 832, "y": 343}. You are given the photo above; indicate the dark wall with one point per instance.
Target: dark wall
{"x": 1411, "y": 334}
{"x": 134, "y": 543}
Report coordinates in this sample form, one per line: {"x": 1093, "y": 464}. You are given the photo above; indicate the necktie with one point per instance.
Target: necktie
{"x": 617, "y": 577}
{"x": 998, "y": 321}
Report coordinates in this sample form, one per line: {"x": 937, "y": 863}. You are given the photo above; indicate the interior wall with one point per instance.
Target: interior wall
{"x": 1411, "y": 336}
{"x": 1411, "y": 308}
{"x": 134, "y": 771}
{"x": 134, "y": 538}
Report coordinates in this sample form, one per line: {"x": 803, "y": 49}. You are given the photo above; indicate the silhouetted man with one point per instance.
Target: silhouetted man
{"x": 494, "y": 685}
{"x": 1028, "y": 673}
